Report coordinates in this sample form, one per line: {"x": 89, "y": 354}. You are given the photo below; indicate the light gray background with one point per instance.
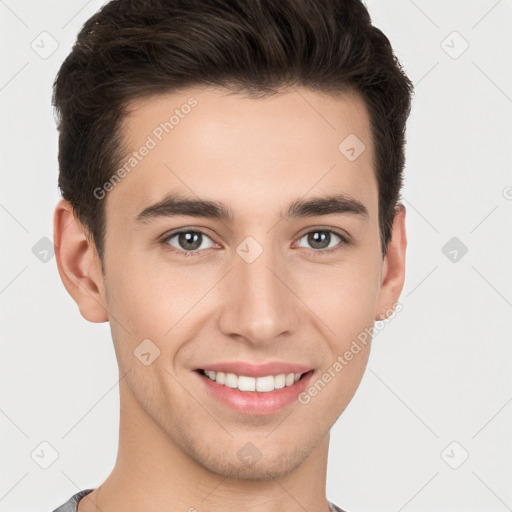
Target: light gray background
{"x": 438, "y": 384}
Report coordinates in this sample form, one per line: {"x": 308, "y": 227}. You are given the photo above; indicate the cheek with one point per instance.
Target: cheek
{"x": 345, "y": 299}
{"x": 151, "y": 300}
{"x": 133, "y": 305}
{"x": 347, "y": 307}
{"x": 352, "y": 309}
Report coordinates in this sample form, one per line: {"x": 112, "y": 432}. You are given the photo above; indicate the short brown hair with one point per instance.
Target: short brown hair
{"x": 132, "y": 49}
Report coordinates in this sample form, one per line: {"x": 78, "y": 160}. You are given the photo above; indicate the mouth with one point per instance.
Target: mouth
{"x": 245, "y": 383}
{"x": 261, "y": 395}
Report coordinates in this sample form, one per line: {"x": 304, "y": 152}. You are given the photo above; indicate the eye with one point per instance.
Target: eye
{"x": 322, "y": 240}
{"x": 188, "y": 242}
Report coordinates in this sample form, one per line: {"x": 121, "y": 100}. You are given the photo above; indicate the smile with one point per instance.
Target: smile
{"x": 254, "y": 395}
{"x": 258, "y": 384}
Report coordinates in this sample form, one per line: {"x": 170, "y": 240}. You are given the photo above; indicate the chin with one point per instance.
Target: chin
{"x": 243, "y": 466}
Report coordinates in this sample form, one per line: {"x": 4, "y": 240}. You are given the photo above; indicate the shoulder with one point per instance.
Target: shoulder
{"x": 332, "y": 506}
{"x": 72, "y": 504}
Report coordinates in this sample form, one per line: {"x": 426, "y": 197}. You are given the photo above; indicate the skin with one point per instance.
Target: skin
{"x": 177, "y": 445}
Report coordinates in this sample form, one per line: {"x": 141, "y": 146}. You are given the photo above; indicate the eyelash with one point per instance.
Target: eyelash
{"x": 344, "y": 240}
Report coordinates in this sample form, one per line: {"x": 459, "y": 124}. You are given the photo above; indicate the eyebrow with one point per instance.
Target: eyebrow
{"x": 175, "y": 205}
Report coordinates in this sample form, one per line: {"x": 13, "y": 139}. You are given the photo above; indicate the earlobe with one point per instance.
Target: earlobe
{"x": 393, "y": 267}
{"x": 78, "y": 263}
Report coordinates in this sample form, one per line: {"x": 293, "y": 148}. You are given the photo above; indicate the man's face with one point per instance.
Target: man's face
{"x": 261, "y": 287}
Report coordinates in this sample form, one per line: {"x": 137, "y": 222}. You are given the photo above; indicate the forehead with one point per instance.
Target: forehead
{"x": 249, "y": 153}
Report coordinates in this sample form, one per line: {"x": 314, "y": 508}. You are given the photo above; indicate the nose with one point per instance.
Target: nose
{"x": 259, "y": 304}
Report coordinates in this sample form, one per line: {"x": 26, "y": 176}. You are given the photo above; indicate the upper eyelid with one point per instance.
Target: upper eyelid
{"x": 186, "y": 230}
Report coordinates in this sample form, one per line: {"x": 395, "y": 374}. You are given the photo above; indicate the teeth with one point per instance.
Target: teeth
{"x": 261, "y": 384}
{"x": 231, "y": 380}
{"x": 246, "y": 383}
{"x": 280, "y": 381}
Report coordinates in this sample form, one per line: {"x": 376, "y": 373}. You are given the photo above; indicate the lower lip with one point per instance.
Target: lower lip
{"x": 255, "y": 402}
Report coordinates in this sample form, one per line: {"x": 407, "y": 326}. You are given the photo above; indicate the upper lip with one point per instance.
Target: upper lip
{"x": 256, "y": 370}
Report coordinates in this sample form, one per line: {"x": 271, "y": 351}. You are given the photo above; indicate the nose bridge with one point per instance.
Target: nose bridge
{"x": 259, "y": 306}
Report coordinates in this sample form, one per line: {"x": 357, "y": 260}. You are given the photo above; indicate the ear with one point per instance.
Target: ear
{"x": 78, "y": 263}
{"x": 393, "y": 267}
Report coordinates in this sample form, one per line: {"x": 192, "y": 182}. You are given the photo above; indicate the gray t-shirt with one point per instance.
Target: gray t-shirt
{"x": 72, "y": 504}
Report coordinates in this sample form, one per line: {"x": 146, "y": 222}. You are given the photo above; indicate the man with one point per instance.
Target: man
{"x": 230, "y": 173}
